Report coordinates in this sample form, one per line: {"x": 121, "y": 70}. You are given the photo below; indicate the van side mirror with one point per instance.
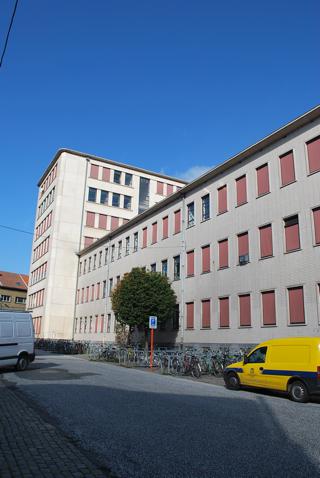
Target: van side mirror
{"x": 245, "y": 359}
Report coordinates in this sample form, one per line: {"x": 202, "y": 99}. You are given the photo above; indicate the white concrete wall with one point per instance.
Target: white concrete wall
{"x": 283, "y": 270}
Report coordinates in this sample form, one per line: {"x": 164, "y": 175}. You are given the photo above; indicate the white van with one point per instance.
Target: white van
{"x": 16, "y": 339}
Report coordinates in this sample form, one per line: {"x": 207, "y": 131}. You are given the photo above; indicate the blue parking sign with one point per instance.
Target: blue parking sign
{"x": 153, "y": 321}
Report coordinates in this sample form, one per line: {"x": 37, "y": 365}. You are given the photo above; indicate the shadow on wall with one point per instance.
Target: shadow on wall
{"x": 148, "y": 434}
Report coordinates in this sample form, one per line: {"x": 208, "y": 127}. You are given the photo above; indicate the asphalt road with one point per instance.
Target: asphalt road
{"x": 147, "y": 425}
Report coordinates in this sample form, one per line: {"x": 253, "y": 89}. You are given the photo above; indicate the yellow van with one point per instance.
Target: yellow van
{"x": 291, "y": 365}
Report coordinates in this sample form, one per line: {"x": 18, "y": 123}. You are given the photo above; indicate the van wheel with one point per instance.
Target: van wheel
{"x": 298, "y": 392}
{"x": 232, "y": 381}
{"x": 22, "y": 363}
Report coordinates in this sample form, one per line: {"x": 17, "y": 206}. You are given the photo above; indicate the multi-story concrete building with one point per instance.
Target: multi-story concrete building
{"x": 13, "y": 290}
{"x": 240, "y": 245}
{"x": 81, "y": 197}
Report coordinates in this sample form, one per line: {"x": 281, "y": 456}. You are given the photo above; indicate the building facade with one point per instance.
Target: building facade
{"x": 81, "y": 197}
{"x": 13, "y": 290}
{"x": 240, "y": 245}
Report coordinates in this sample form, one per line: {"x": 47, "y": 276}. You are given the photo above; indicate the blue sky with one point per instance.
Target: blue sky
{"x": 165, "y": 85}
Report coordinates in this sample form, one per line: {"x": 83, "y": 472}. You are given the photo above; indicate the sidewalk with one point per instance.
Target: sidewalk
{"x": 31, "y": 447}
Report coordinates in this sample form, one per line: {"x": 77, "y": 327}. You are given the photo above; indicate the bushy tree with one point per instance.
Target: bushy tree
{"x": 141, "y": 294}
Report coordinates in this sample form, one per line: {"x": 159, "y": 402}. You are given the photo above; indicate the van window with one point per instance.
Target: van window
{"x": 258, "y": 356}
{"x": 23, "y": 329}
{"x": 290, "y": 354}
{"x": 6, "y": 329}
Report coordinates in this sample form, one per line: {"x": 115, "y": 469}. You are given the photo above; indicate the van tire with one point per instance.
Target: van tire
{"x": 298, "y": 392}
{"x": 23, "y": 362}
{"x": 232, "y": 381}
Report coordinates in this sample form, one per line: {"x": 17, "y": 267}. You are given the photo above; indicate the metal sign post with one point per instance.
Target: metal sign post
{"x": 152, "y": 325}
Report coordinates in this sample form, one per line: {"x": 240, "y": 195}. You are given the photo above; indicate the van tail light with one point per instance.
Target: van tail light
{"x": 318, "y": 372}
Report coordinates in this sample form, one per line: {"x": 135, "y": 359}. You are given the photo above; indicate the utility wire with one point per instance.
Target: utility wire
{"x": 8, "y": 32}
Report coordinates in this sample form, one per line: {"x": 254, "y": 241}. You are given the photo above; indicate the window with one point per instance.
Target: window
{"x": 104, "y": 289}
{"x": 245, "y": 310}
{"x": 144, "y": 236}
{"x": 144, "y": 194}
{"x": 177, "y": 221}
{"x": 154, "y": 232}
{"x": 114, "y": 223}
{"x": 268, "y": 307}
{"x": 205, "y": 207}
{"x": 85, "y": 266}
{"x": 102, "y": 324}
{"x": 110, "y": 286}
{"x": 112, "y": 252}
{"x": 291, "y": 231}
{"x": 190, "y": 315}
{"x": 5, "y": 298}
{"x": 87, "y": 294}
{"x": 266, "y": 246}
{"x": 153, "y": 267}
{"x": 241, "y": 187}
{"x": 94, "y": 171}
{"x": 205, "y": 306}
{"x": 94, "y": 261}
{"x": 190, "y": 263}
{"x": 89, "y": 264}
{"x": 109, "y": 323}
{"x": 176, "y": 268}
{"x": 205, "y": 259}
{"x": 104, "y": 197}
{"x": 165, "y": 223}
{"x": 127, "y": 202}
{"x": 190, "y": 218}
{"x": 92, "y": 195}
{"x": 164, "y": 268}
{"x": 106, "y": 174}
{"x": 115, "y": 200}
{"x": 100, "y": 259}
{"x": 296, "y": 305}
{"x": 118, "y": 279}
{"x": 106, "y": 256}
{"x": 313, "y": 150}
{"x": 243, "y": 248}
{"x": 169, "y": 189}
{"x": 135, "y": 242}
{"x": 287, "y": 168}
{"x": 117, "y": 177}
{"x": 258, "y": 356}
{"x": 222, "y": 200}
{"x": 128, "y": 179}
{"x": 316, "y": 224}
{"x": 160, "y": 188}
{"x": 90, "y": 219}
{"x": 127, "y": 246}
{"x": 223, "y": 254}
{"x": 119, "y": 249}
{"x": 90, "y": 324}
{"x": 263, "y": 180}
{"x": 224, "y": 312}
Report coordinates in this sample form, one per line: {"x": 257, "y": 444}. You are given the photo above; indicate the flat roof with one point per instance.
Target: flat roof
{"x": 109, "y": 161}
{"x": 278, "y": 134}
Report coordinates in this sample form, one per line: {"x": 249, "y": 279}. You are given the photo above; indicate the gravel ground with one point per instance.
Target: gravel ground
{"x": 150, "y": 425}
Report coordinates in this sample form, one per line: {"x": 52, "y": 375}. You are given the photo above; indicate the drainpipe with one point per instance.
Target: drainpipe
{"x": 107, "y": 286}
{"x": 183, "y": 258}
{"x": 79, "y": 246}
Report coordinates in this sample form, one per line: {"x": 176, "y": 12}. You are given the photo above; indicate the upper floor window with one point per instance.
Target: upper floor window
{"x": 190, "y": 263}
{"x": 94, "y": 171}
{"x": 85, "y": 266}
{"x": 190, "y": 211}
{"x": 104, "y": 197}
{"x": 287, "y": 168}
{"x": 245, "y": 310}
{"x": 153, "y": 267}
{"x": 176, "y": 267}
{"x": 205, "y": 207}
{"x": 115, "y": 199}
{"x": 222, "y": 199}
{"x": 154, "y": 232}
{"x": 100, "y": 259}
{"x": 296, "y": 305}
{"x": 316, "y": 224}
{"x": 127, "y": 202}
{"x": 266, "y": 246}
{"x": 89, "y": 264}
{"x": 92, "y": 195}
{"x": 263, "y": 186}
{"x": 135, "y": 242}
{"x": 144, "y": 236}
{"x": 292, "y": 235}
{"x": 243, "y": 248}
{"x": 169, "y": 189}
{"x": 160, "y": 188}
{"x": 112, "y": 252}
{"x": 165, "y": 224}
{"x": 223, "y": 254}
{"x": 205, "y": 258}
{"x": 105, "y": 255}
{"x": 128, "y": 179}
{"x": 127, "y": 245}
{"x": 241, "y": 187}
{"x": 164, "y": 267}
{"x": 119, "y": 249}
{"x": 313, "y": 149}
{"x": 177, "y": 221}
{"x": 94, "y": 261}
{"x": 117, "y": 177}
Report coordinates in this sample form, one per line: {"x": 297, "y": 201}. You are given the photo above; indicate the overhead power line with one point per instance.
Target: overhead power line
{"x": 8, "y": 33}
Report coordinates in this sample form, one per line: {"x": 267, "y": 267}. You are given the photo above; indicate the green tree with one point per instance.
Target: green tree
{"x": 141, "y": 294}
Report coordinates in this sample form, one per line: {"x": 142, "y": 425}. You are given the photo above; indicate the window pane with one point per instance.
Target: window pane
{"x": 287, "y": 168}
{"x": 115, "y": 199}
{"x": 127, "y": 202}
{"x": 190, "y": 315}
{"x": 241, "y": 186}
{"x": 224, "y": 311}
{"x": 104, "y": 197}
{"x": 245, "y": 310}
{"x": 117, "y": 177}
{"x": 190, "y": 214}
{"x": 92, "y": 195}
{"x": 177, "y": 221}
{"x": 165, "y": 227}
{"x": 263, "y": 180}
{"x": 176, "y": 268}
{"x": 292, "y": 238}
{"x": 206, "y": 259}
{"x": 296, "y": 305}
{"x": 222, "y": 200}
{"x": 205, "y": 314}
{"x": 190, "y": 263}
{"x": 223, "y": 254}
{"x": 128, "y": 179}
{"x": 313, "y": 148}
{"x": 266, "y": 248}
{"x": 205, "y": 207}
{"x": 268, "y": 308}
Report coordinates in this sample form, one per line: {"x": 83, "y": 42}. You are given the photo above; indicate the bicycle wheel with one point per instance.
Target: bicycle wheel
{"x": 196, "y": 370}
{"x": 217, "y": 369}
